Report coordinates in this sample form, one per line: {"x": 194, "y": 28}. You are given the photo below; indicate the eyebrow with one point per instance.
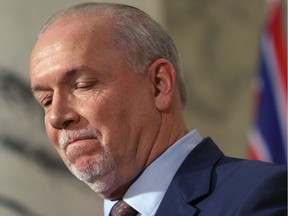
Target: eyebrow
{"x": 72, "y": 72}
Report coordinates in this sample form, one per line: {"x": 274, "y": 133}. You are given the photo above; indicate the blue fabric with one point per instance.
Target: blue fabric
{"x": 211, "y": 184}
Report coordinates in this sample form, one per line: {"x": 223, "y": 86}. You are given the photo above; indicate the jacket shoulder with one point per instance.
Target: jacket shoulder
{"x": 250, "y": 187}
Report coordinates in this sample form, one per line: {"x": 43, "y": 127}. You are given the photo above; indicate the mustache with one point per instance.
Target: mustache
{"x": 68, "y": 136}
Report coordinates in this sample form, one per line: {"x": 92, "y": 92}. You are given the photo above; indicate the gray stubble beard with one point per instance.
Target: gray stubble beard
{"x": 100, "y": 172}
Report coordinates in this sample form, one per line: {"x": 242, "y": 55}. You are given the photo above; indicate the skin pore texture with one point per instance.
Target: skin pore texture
{"x": 107, "y": 122}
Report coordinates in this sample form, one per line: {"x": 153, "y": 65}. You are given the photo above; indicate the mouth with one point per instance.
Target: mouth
{"x": 76, "y": 141}
{"x": 81, "y": 148}
{"x": 67, "y": 138}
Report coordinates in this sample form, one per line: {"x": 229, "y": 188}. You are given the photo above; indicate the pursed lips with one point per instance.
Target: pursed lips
{"x": 74, "y": 140}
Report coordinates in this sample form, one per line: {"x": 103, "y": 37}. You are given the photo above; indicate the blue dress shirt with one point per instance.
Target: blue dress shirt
{"x": 147, "y": 192}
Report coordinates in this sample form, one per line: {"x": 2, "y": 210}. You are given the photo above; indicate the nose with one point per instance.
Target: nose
{"x": 62, "y": 114}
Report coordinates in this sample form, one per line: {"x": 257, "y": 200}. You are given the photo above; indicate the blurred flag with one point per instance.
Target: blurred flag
{"x": 268, "y": 137}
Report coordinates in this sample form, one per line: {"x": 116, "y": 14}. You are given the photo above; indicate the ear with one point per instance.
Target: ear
{"x": 163, "y": 75}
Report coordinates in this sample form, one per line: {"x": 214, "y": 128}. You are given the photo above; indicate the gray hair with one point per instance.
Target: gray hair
{"x": 141, "y": 39}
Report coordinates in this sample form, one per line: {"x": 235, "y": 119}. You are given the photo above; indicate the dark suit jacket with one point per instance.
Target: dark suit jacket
{"x": 211, "y": 184}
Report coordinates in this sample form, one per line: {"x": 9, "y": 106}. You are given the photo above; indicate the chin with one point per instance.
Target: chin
{"x": 99, "y": 175}
{"x": 102, "y": 184}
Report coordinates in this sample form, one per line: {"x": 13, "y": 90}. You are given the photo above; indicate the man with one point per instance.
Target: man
{"x": 109, "y": 80}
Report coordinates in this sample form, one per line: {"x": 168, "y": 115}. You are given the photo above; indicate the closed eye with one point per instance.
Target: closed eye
{"x": 46, "y": 103}
{"x": 83, "y": 85}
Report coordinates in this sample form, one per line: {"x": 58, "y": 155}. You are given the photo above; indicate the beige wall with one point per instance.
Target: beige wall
{"x": 217, "y": 40}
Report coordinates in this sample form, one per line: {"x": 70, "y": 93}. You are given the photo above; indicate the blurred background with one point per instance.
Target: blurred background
{"x": 218, "y": 41}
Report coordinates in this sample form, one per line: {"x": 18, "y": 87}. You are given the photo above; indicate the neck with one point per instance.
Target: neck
{"x": 171, "y": 130}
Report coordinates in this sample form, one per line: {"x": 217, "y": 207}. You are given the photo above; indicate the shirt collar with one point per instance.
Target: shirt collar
{"x": 154, "y": 181}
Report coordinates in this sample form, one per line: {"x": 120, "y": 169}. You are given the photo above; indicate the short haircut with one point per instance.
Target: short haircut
{"x": 141, "y": 39}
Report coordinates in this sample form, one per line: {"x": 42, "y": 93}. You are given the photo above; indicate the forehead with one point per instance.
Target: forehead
{"x": 72, "y": 36}
{"x": 76, "y": 30}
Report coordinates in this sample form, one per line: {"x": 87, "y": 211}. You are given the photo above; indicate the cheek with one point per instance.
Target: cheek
{"x": 111, "y": 118}
{"x": 103, "y": 110}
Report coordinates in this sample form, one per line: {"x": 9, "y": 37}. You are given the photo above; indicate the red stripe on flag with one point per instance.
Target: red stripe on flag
{"x": 252, "y": 153}
{"x": 275, "y": 27}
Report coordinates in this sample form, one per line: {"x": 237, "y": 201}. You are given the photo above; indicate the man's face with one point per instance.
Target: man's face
{"x": 100, "y": 116}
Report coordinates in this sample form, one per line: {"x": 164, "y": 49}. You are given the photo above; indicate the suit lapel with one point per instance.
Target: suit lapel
{"x": 192, "y": 180}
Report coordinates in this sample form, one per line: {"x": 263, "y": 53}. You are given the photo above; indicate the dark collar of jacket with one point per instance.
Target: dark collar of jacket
{"x": 192, "y": 181}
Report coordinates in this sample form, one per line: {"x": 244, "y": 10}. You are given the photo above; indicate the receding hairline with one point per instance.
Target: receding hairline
{"x": 132, "y": 30}
{"x": 108, "y": 10}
